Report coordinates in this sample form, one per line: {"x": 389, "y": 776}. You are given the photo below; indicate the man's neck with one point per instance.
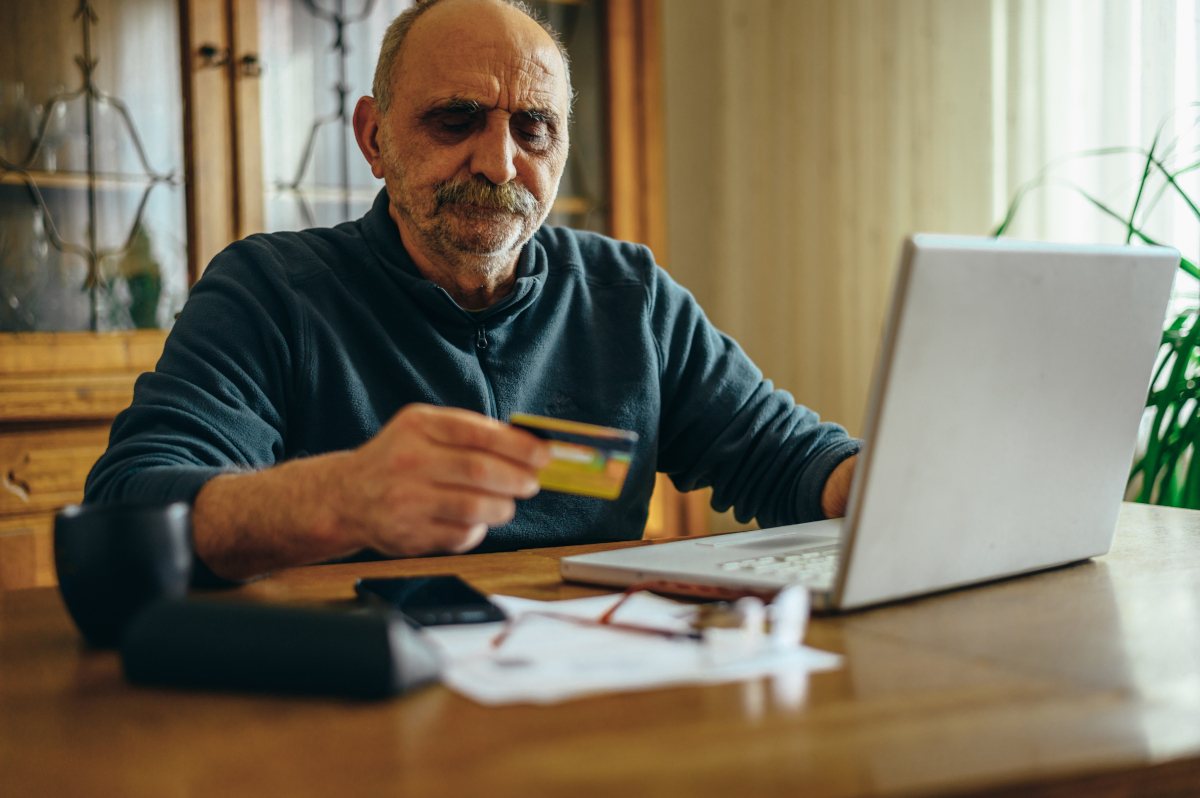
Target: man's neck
{"x": 471, "y": 289}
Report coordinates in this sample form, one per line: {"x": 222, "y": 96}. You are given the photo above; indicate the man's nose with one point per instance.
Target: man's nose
{"x": 495, "y": 151}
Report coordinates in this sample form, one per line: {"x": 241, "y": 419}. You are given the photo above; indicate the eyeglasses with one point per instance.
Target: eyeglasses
{"x": 744, "y": 623}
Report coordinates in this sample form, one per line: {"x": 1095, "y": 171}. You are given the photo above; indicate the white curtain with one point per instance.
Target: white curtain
{"x": 1072, "y": 76}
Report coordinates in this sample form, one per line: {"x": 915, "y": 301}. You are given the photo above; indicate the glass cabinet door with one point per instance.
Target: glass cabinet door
{"x": 318, "y": 58}
{"x": 92, "y": 216}
{"x": 582, "y": 195}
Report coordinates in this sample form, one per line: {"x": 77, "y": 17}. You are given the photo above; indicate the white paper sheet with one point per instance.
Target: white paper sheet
{"x": 546, "y": 660}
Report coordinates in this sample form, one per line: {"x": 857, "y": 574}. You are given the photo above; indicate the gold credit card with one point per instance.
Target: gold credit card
{"x": 587, "y": 459}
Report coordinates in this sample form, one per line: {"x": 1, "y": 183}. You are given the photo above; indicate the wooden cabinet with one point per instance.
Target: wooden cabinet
{"x": 60, "y": 391}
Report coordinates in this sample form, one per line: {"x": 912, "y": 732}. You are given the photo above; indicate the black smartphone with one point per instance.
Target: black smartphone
{"x": 432, "y": 600}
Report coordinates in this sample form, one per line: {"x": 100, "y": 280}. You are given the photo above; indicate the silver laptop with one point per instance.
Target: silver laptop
{"x": 1000, "y": 430}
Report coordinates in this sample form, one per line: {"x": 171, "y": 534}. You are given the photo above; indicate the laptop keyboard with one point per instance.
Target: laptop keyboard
{"x": 809, "y": 567}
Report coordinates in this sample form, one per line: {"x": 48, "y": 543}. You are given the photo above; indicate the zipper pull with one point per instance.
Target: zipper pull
{"x": 481, "y": 338}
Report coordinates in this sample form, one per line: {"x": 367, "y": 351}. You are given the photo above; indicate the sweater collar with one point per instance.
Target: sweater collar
{"x": 383, "y": 237}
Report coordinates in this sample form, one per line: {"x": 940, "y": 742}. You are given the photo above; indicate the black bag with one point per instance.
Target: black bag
{"x": 365, "y": 653}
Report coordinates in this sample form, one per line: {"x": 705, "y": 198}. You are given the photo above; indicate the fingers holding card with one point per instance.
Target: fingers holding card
{"x": 586, "y": 459}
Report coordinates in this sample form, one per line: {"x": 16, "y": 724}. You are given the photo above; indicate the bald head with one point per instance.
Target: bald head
{"x": 509, "y": 18}
{"x": 469, "y": 131}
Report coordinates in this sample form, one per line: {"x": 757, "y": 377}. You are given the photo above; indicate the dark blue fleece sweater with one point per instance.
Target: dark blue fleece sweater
{"x": 296, "y": 344}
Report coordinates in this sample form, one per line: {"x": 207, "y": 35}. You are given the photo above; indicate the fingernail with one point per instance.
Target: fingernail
{"x": 532, "y": 487}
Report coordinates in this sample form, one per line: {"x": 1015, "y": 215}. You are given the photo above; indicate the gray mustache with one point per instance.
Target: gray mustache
{"x": 486, "y": 194}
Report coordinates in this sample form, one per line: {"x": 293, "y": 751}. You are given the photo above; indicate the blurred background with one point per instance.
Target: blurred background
{"x": 806, "y": 138}
{"x": 773, "y": 154}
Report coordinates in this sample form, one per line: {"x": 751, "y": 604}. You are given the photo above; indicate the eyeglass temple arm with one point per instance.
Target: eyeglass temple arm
{"x": 670, "y": 587}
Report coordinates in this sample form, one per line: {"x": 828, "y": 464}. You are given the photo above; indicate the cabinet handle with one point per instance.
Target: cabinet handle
{"x": 250, "y": 67}
{"x": 212, "y": 56}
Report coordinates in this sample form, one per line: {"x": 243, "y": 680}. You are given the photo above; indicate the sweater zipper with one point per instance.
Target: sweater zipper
{"x": 481, "y": 342}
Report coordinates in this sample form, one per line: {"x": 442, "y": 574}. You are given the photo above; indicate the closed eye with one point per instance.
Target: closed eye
{"x": 535, "y": 127}
{"x": 534, "y": 131}
{"x": 455, "y": 117}
{"x": 457, "y": 122}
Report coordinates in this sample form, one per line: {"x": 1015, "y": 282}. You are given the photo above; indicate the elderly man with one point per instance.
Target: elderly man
{"x": 343, "y": 390}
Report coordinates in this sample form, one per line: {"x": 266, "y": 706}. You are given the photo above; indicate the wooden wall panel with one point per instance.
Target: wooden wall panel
{"x": 637, "y": 186}
{"x": 637, "y": 182}
{"x": 805, "y": 140}
{"x": 624, "y": 128}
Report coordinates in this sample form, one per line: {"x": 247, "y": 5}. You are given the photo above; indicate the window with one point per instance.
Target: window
{"x": 91, "y": 179}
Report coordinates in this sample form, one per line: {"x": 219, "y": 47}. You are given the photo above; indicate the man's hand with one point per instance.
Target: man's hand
{"x": 433, "y": 480}
{"x": 837, "y": 488}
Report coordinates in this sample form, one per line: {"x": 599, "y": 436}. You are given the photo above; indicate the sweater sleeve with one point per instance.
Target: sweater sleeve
{"x": 217, "y": 400}
{"x": 724, "y": 425}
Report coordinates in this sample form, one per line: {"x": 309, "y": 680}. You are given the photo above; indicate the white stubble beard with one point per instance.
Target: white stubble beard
{"x": 435, "y": 231}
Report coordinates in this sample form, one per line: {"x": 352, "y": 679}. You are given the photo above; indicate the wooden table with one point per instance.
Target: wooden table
{"x": 1080, "y": 681}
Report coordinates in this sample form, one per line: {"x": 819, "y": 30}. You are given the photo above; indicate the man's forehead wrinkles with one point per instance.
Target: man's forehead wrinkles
{"x": 491, "y": 92}
{"x": 537, "y": 63}
{"x": 497, "y": 77}
{"x": 493, "y": 71}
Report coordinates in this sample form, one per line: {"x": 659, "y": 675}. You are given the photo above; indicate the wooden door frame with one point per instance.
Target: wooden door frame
{"x": 221, "y": 126}
{"x": 633, "y": 100}
{"x": 638, "y": 193}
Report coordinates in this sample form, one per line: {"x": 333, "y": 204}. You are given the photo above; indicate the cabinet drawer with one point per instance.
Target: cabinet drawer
{"x": 42, "y": 470}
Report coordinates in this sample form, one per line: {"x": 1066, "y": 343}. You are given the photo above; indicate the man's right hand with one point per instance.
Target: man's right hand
{"x": 432, "y": 480}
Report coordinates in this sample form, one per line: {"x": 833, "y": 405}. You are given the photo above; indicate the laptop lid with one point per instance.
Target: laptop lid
{"x": 1009, "y": 388}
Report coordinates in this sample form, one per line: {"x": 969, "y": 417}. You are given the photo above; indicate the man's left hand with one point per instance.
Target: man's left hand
{"x": 837, "y": 488}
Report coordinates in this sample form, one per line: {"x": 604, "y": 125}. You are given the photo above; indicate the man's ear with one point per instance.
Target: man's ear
{"x": 366, "y": 132}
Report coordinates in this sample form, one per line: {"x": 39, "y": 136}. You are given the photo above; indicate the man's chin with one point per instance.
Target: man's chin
{"x": 483, "y": 239}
